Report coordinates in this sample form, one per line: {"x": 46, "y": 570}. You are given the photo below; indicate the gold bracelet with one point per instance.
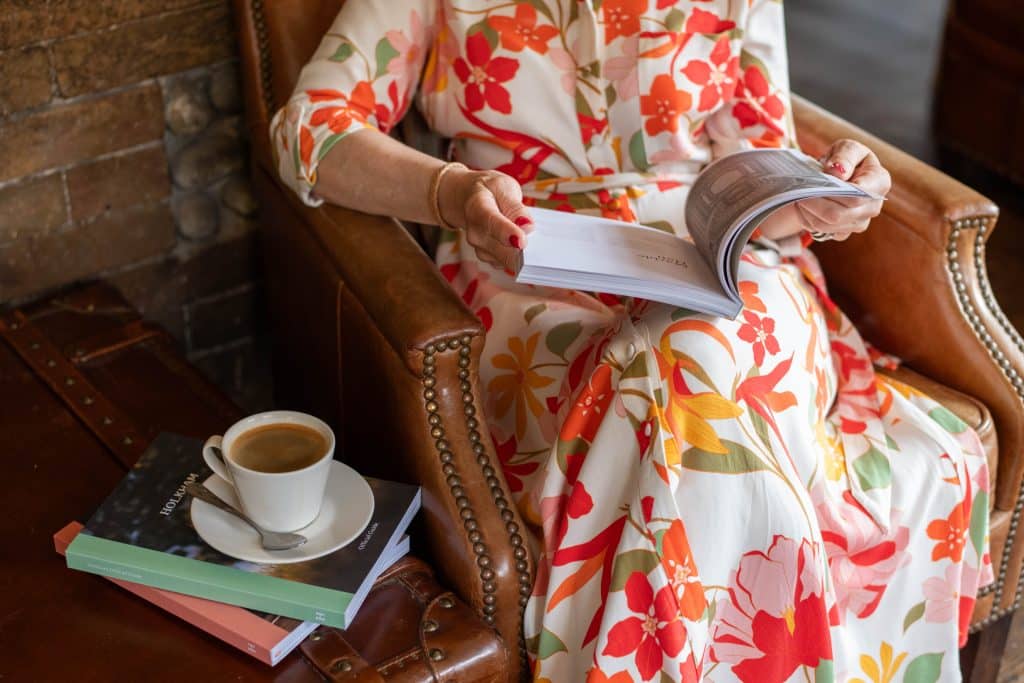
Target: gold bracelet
{"x": 435, "y": 199}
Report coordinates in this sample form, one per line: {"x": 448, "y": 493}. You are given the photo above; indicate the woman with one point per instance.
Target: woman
{"x": 719, "y": 499}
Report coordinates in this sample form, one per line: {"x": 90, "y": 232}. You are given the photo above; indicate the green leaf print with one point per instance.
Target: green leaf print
{"x": 761, "y": 427}
{"x": 343, "y": 52}
{"x": 748, "y": 60}
{"x": 913, "y": 614}
{"x": 825, "y": 671}
{"x": 560, "y": 337}
{"x": 947, "y": 420}
{"x": 891, "y": 443}
{"x": 659, "y": 542}
{"x": 637, "y": 368}
{"x": 664, "y": 226}
{"x": 674, "y": 20}
{"x": 873, "y": 470}
{"x": 665, "y": 678}
{"x": 384, "y": 53}
{"x": 680, "y": 313}
{"x": 533, "y": 311}
{"x": 563, "y": 449}
{"x": 642, "y": 561}
{"x": 489, "y": 33}
{"x": 582, "y": 107}
{"x": 549, "y": 644}
{"x": 531, "y": 643}
{"x": 637, "y": 153}
{"x": 924, "y": 668}
{"x": 328, "y": 144}
{"x": 739, "y": 460}
{"x": 543, "y": 8}
{"x": 610, "y": 95}
{"x": 979, "y": 515}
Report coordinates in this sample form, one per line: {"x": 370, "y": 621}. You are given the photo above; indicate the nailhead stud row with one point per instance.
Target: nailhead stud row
{"x": 978, "y": 326}
{"x": 454, "y": 481}
{"x": 260, "y": 22}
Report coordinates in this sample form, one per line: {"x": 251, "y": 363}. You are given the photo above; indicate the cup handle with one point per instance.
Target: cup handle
{"x": 212, "y": 454}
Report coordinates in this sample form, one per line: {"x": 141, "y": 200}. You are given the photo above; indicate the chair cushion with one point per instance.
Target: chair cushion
{"x": 969, "y": 409}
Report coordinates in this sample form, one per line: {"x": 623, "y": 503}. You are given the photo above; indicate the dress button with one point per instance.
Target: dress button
{"x": 630, "y": 351}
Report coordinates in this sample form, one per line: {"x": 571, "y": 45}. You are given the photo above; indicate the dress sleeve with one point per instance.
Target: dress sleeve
{"x": 760, "y": 112}
{"x": 363, "y": 75}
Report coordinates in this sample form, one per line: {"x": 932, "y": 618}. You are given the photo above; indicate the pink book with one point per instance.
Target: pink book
{"x": 266, "y": 637}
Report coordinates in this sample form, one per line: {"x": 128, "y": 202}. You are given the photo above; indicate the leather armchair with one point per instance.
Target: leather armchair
{"x": 370, "y": 337}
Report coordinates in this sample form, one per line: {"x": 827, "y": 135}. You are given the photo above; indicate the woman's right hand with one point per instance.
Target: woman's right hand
{"x": 488, "y": 207}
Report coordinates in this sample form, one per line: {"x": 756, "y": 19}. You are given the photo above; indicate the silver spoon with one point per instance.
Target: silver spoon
{"x": 271, "y": 540}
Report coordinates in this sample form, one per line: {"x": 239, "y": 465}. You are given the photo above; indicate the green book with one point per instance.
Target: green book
{"x": 143, "y": 533}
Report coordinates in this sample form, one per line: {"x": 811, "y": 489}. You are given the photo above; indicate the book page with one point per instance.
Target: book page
{"x": 570, "y": 242}
{"x": 748, "y": 184}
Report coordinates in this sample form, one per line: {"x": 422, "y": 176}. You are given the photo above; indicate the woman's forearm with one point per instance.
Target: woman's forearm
{"x": 373, "y": 173}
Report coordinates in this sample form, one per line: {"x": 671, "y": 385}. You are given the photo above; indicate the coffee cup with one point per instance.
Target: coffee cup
{"x": 278, "y": 463}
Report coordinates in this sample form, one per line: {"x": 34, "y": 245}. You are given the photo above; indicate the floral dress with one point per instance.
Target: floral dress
{"x": 710, "y": 499}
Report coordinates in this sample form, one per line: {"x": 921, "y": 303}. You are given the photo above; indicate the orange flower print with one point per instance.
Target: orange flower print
{"x": 677, "y": 561}
{"x": 749, "y": 293}
{"x": 522, "y": 30}
{"x": 590, "y": 407}
{"x": 951, "y": 534}
{"x": 717, "y": 76}
{"x": 664, "y": 105}
{"x": 517, "y": 385}
{"x": 759, "y": 332}
{"x": 622, "y": 18}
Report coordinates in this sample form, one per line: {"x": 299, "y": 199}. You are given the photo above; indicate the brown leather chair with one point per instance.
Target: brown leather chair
{"x": 370, "y": 337}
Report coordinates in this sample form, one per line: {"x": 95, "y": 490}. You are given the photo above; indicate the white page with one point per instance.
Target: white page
{"x": 570, "y": 242}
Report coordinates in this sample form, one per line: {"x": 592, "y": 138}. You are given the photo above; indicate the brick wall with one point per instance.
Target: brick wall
{"x": 122, "y": 156}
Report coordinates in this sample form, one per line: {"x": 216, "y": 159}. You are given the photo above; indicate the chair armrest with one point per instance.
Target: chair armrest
{"x": 407, "y": 356}
{"x": 915, "y": 285}
{"x": 395, "y": 281}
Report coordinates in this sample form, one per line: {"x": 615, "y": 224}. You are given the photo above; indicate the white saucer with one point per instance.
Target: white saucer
{"x": 346, "y": 510}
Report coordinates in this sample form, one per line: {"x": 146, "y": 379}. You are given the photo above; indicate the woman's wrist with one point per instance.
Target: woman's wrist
{"x": 452, "y": 193}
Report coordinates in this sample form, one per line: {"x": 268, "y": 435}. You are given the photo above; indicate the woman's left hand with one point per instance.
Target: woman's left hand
{"x": 837, "y": 217}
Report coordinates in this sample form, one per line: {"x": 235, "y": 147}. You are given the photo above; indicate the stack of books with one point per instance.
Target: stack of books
{"x": 142, "y": 539}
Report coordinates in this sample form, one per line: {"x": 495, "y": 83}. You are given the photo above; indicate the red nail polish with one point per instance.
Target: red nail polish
{"x": 514, "y": 241}
{"x": 521, "y": 221}
{"x": 839, "y": 167}
{"x": 510, "y": 272}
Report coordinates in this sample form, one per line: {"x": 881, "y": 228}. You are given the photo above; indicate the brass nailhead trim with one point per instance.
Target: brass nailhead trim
{"x": 341, "y": 665}
{"x": 454, "y": 481}
{"x": 953, "y": 254}
{"x": 260, "y": 22}
{"x": 429, "y": 626}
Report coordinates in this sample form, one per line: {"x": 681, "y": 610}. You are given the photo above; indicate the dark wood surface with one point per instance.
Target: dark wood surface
{"x": 873, "y": 63}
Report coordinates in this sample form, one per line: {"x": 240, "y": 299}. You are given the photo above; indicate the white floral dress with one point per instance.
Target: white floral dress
{"x": 711, "y": 499}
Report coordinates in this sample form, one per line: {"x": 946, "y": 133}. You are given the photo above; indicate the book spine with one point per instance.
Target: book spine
{"x": 212, "y": 582}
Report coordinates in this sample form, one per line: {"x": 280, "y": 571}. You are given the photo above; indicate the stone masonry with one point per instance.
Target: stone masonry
{"x": 122, "y": 156}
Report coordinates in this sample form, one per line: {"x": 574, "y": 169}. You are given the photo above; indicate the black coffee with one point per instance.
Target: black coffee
{"x": 277, "y": 448}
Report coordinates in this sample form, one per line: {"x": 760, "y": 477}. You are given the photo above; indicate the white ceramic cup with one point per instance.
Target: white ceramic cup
{"x": 276, "y": 501}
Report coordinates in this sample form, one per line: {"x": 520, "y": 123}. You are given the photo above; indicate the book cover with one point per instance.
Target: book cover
{"x": 143, "y": 533}
{"x": 267, "y": 637}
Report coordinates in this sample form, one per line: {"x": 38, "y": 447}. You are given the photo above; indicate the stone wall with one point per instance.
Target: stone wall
{"x": 122, "y": 156}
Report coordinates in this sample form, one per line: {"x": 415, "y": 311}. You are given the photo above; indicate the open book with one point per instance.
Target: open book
{"x": 728, "y": 200}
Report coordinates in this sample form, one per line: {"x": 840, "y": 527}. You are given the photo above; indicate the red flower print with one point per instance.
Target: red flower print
{"x": 513, "y": 470}
{"x": 664, "y": 105}
{"x": 522, "y": 30}
{"x": 718, "y": 77}
{"x": 622, "y": 18}
{"x": 617, "y": 208}
{"x": 644, "y": 434}
{"x": 702, "y": 21}
{"x": 759, "y": 332}
{"x": 655, "y": 633}
{"x": 758, "y": 103}
{"x": 580, "y": 502}
{"x": 951, "y": 534}
{"x": 774, "y": 619}
{"x": 336, "y": 118}
{"x": 483, "y": 76}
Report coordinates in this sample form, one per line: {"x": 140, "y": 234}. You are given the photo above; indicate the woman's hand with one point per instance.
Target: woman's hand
{"x": 838, "y": 217}
{"x": 488, "y": 206}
